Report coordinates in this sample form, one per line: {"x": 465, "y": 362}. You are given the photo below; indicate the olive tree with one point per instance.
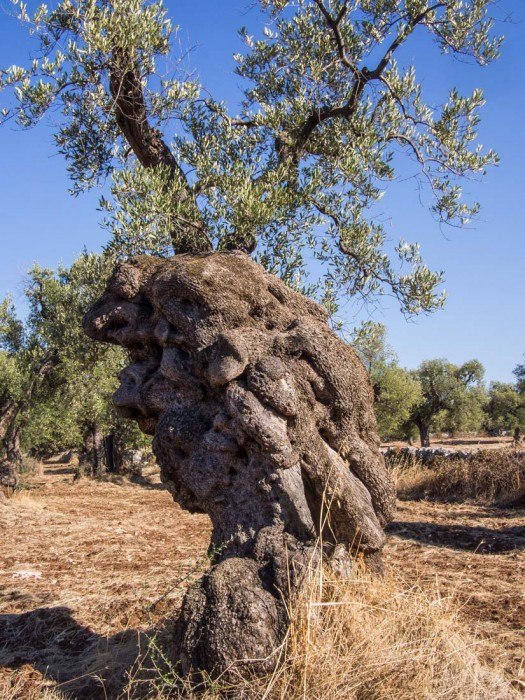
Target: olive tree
{"x": 396, "y": 391}
{"x": 448, "y": 391}
{"x": 86, "y": 376}
{"x": 25, "y": 362}
{"x": 519, "y": 373}
{"x": 55, "y": 383}
{"x": 505, "y": 410}
{"x": 326, "y": 111}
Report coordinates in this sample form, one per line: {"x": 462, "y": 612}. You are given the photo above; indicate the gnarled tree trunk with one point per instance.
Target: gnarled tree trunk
{"x": 263, "y": 418}
{"x": 424, "y": 433}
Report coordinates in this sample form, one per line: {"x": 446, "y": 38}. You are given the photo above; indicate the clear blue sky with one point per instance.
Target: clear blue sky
{"x": 484, "y": 266}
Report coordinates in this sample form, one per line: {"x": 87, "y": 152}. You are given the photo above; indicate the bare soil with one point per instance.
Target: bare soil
{"x": 90, "y": 569}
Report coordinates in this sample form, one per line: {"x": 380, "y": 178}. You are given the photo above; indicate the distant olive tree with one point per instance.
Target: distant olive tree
{"x": 326, "y": 111}
{"x": 505, "y": 410}
{"x": 447, "y": 389}
{"x": 55, "y": 383}
{"x": 25, "y": 362}
{"x": 81, "y": 387}
{"x": 519, "y": 373}
{"x": 396, "y": 391}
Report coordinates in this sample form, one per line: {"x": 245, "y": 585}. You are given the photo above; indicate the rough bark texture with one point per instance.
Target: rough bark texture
{"x": 92, "y": 458}
{"x": 9, "y": 478}
{"x": 263, "y": 419}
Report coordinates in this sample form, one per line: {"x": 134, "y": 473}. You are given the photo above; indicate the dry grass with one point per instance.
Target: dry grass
{"x": 22, "y": 688}
{"x": 488, "y": 476}
{"x": 375, "y": 639}
{"x": 112, "y": 560}
{"x": 359, "y": 639}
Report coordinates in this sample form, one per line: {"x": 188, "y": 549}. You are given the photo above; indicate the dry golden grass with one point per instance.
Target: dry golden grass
{"x": 373, "y": 639}
{"x": 487, "y": 476}
{"x": 113, "y": 560}
{"x": 365, "y": 638}
{"x": 22, "y": 689}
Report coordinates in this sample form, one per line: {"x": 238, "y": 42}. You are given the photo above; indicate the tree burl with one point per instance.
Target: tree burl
{"x": 263, "y": 418}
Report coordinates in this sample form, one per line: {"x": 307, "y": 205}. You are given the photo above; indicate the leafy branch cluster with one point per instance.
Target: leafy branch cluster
{"x": 292, "y": 178}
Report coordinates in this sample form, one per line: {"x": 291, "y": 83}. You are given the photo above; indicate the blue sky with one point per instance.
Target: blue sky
{"x": 484, "y": 265}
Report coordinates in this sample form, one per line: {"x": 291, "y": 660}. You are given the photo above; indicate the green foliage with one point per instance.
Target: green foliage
{"x": 466, "y": 415}
{"x": 12, "y": 364}
{"x": 370, "y": 342}
{"x": 59, "y": 406}
{"x": 519, "y": 373}
{"x": 52, "y": 426}
{"x": 396, "y": 392}
{"x": 11, "y": 328}
{"x": 22, "y": 362}
{"x": 78, "y": 394}
{"x": 452, "y": 396}
{"x": 326, "y": 112}
{"x": 12, "y": 377}
{"x": 505, "y": 410}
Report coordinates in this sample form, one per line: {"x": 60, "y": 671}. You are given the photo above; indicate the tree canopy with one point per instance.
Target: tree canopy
{"x": 519, "y": 373}
{"x": 396, "y": 391}
{"x": 55, "y": 383}
{"x": 325, "y": 113}
{"x": 505, "y": 408}
{"x": 446, "y": 388}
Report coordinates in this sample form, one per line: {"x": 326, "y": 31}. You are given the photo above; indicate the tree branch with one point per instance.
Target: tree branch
{"x": 321, "y": 114}
{"x": 232, "y": 121}
{"x": 334, "y": 23}
{"x": 398, "y": 41}
{"x": 361, "y": 78}
{"x": 130, "y": 112}
{"x": 147, "y": 142}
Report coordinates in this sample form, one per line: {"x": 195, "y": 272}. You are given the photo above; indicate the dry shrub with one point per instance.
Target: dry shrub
{"x": 488, "y": 476}
{"x": 363, "y": 638}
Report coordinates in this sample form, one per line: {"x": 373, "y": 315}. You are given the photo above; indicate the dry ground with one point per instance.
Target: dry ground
{"x": 86, "y": 568}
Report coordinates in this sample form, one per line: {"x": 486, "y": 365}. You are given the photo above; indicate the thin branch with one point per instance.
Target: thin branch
{"x": 399, "y": 40}
{"x": 147, "y": 142}
{"x": 346, "y": 251}
{"x": 319, "y": 115}
{"x": 361, "y": 78}
{"x": 232, "y": 121}
{"x": 334, "y": 23}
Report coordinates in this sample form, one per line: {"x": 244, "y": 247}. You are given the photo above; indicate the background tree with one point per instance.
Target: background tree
{"x": 370, "y": 342}
{"x": 326, "y": 110}
{"x": 86, "y": 377}
{"x": 396, "y": 391}
{"x": 519, "y": 373}
{"x": 467, "y": 415}
{"x": 445, "y": 388}
{"x": 24, "y": 364}
{"x": 505, "y": 410}
{"x": 55, "y": 383}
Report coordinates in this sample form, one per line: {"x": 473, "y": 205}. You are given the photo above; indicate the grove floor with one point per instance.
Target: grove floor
{"x": 88, "y": 567}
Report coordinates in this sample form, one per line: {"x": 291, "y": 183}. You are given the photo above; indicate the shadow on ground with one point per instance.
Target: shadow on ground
{"x": 52, "y": 471}
{"x": 82, "y": 664}
{"x": 482, "y": 540}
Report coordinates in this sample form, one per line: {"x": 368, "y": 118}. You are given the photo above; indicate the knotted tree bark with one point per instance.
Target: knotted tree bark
{"x": 263, "y": 418}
